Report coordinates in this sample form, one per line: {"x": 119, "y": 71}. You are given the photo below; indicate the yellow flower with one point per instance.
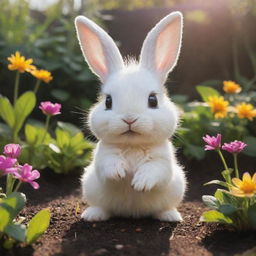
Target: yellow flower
{"x": 231, "y": 87}
{"x": 42, "y": 74}
{"x": 219, "y": 106}
{"x": 245, "y": 110}
{"x": 18, "y": 62}
{"x": 244, "y": 187}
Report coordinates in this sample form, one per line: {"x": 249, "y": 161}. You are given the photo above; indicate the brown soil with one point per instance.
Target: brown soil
{"x": 68, "y": 235}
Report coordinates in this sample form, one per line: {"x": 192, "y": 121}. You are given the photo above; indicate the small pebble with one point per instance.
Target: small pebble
{"x": 101, "y": 251}
{"x": 165, "y": 228}
{"x": 119, "y": 246}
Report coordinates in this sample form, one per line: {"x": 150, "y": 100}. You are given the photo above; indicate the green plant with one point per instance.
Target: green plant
{"x": 235, "y": 204}
{"x": 231, "y": 114}
{"x": 69, "y": 150}
{"x": 49, "y": 38}
{"x": 12, "y": 229}
{"x": 63, "y": 152}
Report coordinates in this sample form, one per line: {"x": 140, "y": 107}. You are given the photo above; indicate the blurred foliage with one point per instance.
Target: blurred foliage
{"x": 127, "y": 4}
{"x": 198, "y": 120}
{"x": 49, "y": 38}
{"x": 197, "y": 16}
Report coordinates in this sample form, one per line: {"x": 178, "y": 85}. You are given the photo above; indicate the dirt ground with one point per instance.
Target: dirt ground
{"x": 68, "y": 235}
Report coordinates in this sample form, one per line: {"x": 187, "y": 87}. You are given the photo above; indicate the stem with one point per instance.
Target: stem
{"x": 14, "y": 137}
{"x": 16, "y": 87}
{"x": 223, "y": 159}
{"x": 37, "y": 86}
{"x": 236, "y": 165}
{"x": 18, "y": 186}
{"x": 228, "y": 177}
{"x": 9, "y": 184}
{"x": 46, "y": 126}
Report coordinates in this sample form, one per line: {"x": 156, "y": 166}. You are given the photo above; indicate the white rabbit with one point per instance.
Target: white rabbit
{"x": 134, "y": 171}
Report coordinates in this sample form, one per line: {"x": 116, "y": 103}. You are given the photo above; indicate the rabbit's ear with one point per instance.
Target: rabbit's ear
{"x": 161, "y": 48}
{"x": 99, "y": 49}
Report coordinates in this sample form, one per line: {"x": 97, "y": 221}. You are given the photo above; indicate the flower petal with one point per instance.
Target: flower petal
{"x": 34, "y": 184}
{"x": 237, "y": 182}
{"x": 247, "y": 177}
{"x": 254, "y": 178}
{"x": 34, "y": 175}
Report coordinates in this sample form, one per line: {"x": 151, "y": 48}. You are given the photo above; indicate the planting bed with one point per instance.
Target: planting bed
{"x": 68, "y": 235}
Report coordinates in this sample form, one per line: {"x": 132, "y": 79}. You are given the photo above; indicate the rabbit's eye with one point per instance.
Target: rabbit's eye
{"x": 152, "y": 101}
{"x": 108, "y": 102}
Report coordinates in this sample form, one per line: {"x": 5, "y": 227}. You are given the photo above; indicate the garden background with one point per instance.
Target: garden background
{"x": 219, "y": 44}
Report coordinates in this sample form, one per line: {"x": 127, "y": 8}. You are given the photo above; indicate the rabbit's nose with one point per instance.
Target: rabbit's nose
{"x": 129, "y": 121}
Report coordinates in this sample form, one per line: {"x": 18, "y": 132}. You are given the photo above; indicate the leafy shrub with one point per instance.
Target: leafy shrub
{"x": 231, "y": 114}
{"x": 235, "y": 204}
{"x": 49, "y": 38}
{"x": 12, "y": 229}
{"x": 63, "y": 152}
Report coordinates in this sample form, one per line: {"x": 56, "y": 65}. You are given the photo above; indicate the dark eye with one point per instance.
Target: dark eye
{"x": 152, "y": 101}
{"x": 108, "y": 102}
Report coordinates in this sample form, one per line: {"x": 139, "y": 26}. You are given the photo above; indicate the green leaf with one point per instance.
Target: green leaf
{"x": 16, "y": 231}
{"x": 227, "y": 174}
{"x": 72, "y": 129}
{"x": 215, "y": 216}
{"x": 62, "y": 138}
{"x": 217, "y": 182}
{"x": 252, "y": 215}
{"x": 38, "y": 225}
{"x": 225, "y": 197}
{"x": 10, "y": 208}
{"x": 227, "y": 209}
{"x": 23, "y": 107}
{"x": 219, "y": 195}
{"x": 6, "y": 111}
{"x": 30, "y": 133}
{"x": 36, "y": 135}
{"x": 179, "y": 99}
{"x": 205, "y": 92}
{"x": 250, "y": 150}
{"x": 5, "y": 218}
{"x": 8, "y": 243}
{"x": 211, "y": 201}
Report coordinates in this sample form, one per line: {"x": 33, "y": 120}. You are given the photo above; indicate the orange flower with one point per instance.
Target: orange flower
{"x": 42, "y": 75}
{"x": 231, "y": 87}
{"x": 18, "y": 62}
{"x": 244, "y": 187}
{"x": 245, "y": 110}
{"x": 218, "y": 106}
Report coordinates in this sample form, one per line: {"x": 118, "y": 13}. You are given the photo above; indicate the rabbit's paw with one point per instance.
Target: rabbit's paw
{"x": 143, "y": 181}
{"x": 115, "y": 171}
{"x": 170, "y": 216}
{"x": 94, "y": 214}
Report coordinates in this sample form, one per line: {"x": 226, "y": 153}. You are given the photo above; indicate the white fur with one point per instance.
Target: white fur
{"x": 133, "y": 174}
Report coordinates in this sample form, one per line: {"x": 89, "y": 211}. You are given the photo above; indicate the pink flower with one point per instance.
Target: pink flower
{"x": 234, "y": 146}
{"x": 12, "y": 150}
{"x": 6, "y": 164}
{"x": 213, "y": 142}
{"x": 50, "y": 108}
{"x": 26, "y": 174}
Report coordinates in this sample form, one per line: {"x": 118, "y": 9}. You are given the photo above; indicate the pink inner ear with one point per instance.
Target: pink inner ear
{"x": 93, "y": 50}
{"x": 167, "y": 46}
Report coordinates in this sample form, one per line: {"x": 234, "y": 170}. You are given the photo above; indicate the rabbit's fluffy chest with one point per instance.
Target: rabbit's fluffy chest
{"x": 134, "y": 157}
